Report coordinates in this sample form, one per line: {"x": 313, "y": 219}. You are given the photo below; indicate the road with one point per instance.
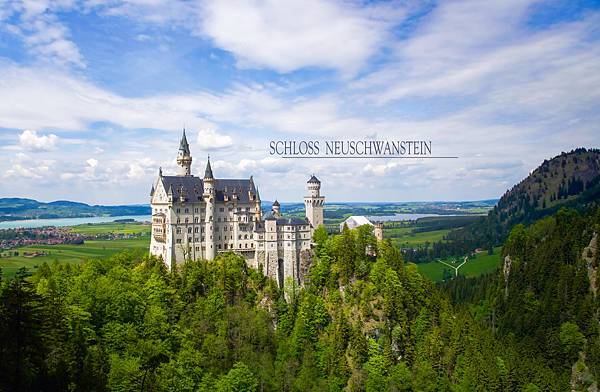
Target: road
{"x": 455, "y": 268}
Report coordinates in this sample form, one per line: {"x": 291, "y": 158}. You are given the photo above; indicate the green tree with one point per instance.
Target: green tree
{"x": 238, "y": 379}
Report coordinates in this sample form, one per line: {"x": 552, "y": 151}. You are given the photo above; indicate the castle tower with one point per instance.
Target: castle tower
{"x": 257, "y": 207}
{"x": 378, "y": 231}
{"x": 313, "y": 203}
{"x": 276, "y": 209}
{"x": 209, "y": 199}
{"x": 184, "y": 158}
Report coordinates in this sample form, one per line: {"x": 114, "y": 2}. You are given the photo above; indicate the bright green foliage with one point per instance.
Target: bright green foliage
{"x": 238, "y": 379}
{"x": 363, "y": 321}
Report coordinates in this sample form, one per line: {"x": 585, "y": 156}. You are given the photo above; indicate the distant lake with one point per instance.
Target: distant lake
{"x": 30, "y": 223}
{"x": 400, "y": 217}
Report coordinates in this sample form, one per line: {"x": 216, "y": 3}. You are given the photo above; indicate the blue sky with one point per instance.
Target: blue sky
{"x": 94, "y": 94}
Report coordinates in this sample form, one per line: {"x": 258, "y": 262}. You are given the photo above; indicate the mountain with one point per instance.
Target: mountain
{"x": 568, "y": 180}
{"x": 20, "y": 208}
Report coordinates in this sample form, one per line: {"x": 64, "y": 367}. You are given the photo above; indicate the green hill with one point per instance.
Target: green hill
{"x": 568, "y": 180}
{"x": 18, "y": 208}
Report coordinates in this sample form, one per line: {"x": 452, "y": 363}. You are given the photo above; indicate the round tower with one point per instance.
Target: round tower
{"x": 184, "y": 158}
{"x": 209, "y": 199}
{"x": 313, "y": 203}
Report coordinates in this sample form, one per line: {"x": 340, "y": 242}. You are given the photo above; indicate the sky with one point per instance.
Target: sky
{"x": 94, "y": 94}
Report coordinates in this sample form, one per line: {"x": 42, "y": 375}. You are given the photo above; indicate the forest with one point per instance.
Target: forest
{"x": 363, "y": 320}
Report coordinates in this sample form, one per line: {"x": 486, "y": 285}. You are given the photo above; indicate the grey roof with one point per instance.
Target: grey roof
{"x": 193, "y": 188}
{"x": 276, "y": 203}
{"x": 208, "y": 172}
{"x": 313, "y": 180}
{"x": 285, "y": 220}
{"x": 183, "y": 145}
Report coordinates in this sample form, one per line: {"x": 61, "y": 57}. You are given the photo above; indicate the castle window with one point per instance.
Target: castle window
{"x": 219, "y": 246}
{"x": 178, "y": 240}
{"x": 187, "y": 220}
{"x": 196, "y": 220}
{"x": 189, "y": 239}
{"x": 245, "y": 236}
{"x": 197, "y": 248}
{"x": 179, "y": 230}
{"x": 246, "y": 246}
{"x": 187, "y": 210}
{"x": 189, "y": 230}
{"x": 196, "y": 210}
{"x": 221, "y": 209}
{"x": 178, "y": 220}
{"x": 239, "y": 237}
{"x": 196, "y": 240}
{"x": 178, "y": 210}
{"x": 196, "y": 229}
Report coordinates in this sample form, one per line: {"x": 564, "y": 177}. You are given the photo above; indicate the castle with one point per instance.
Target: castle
{"x": 197, "y": 218}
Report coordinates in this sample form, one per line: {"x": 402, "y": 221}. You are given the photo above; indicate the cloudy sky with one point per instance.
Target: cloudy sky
{"x": 94, "y": 94}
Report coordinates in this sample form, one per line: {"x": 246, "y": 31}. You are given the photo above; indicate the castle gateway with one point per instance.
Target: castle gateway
{"x": 197, "y": 218}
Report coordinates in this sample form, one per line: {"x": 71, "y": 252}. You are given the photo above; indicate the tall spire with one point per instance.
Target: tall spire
{"x": 208, "y": 174}
{"x": 183, "y": 145}
{"x": 184, "y": 157}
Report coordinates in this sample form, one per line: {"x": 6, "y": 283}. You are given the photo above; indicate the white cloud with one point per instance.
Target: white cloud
{"x": 45, "y": 37}
{"x": 135, "y": 171}
{"x": 32, "y": 142}
{"x": 93, "y": 163}
{"x": 289, "y": 35}
{"x": 210, "y": 139}
{"x": 23, "y": 168}
{"x": 379, "y": 169}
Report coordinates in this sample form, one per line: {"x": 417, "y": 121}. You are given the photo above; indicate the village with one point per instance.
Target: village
{"x": 50, "y": 235}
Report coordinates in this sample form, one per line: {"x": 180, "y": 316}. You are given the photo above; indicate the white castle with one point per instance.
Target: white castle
{"x": 197, "y": 218}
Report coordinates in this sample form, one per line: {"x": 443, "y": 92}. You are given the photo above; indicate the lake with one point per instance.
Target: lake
{"x": 60, "y": 222}
{"x": 400, "y": 217}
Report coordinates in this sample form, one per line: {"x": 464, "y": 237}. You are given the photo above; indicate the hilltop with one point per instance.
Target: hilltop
{"x": 568, "y": 180}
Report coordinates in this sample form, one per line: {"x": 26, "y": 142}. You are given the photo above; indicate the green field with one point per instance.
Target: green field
{"x": 405, "y": 238}
{"x": 78, "y": 253}
{"x": 112, "y": 227}
{"x": 482, "y": 263}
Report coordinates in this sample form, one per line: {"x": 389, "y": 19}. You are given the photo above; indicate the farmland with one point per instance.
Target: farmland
{"x": 69, "y": 253}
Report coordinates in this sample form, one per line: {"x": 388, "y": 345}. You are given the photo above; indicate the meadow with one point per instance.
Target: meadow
{"x": 405, "y": 237}
{"x": 479, "y": 264}
{"x": 70, "y": 253}
{"x": 112, "y": 227}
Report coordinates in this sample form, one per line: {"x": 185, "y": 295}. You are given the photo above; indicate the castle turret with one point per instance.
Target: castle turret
{"x": 313, "y": 203}
{"x": 276, "y": 209}
{"x": 209, "y": 199}
{"x": 184, "y": 158}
